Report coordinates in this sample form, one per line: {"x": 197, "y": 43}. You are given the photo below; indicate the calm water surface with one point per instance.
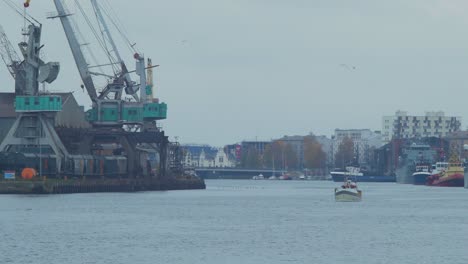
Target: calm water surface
{"x": 239, "y": 222}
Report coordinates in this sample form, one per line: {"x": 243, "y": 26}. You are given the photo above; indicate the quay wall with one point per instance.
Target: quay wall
{"x": 54, "y": 186}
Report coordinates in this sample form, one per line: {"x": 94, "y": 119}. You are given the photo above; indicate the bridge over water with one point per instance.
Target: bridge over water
{"x": 236, "y": 173}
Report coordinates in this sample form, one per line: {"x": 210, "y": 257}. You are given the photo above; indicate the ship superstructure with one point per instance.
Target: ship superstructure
{"x": 413, "y": 155}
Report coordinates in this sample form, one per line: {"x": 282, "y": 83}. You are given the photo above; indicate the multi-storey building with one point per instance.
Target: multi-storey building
{"x": 259, "y": 146}
{"x": 364, "y": 140}
{"x": 432, "y": 124}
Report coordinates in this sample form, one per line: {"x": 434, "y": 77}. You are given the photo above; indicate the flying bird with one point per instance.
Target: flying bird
{"x": 348, "y": 67}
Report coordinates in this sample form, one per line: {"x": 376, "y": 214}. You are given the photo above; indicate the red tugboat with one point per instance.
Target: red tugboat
{"x": 448, "y": 174}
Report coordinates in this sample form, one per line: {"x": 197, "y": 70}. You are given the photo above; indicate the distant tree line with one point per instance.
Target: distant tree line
{"x": 282, "y": 156}
{"x": 345, "y": 155}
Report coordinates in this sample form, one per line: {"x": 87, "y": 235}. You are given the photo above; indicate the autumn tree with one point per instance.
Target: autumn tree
{"x": 314, "y": 156}
{"x": 272, "y": 155}
{"x": 291, "y": 161}
{"x": 250, "y": 158}
{"x": 280, "y": 155}
{"x": 345, "y": 154}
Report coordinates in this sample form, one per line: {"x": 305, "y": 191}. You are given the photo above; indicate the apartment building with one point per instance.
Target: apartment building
{"x": 432, "y": 124}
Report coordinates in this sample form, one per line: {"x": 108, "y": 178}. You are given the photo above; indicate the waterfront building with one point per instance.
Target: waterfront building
{"x": 251, "y": 149}
{"x": 432, "y": 124}
{"x": 365, "y": 142}
{"x": 234, "y": 151}
{"x": 202, "y": 156}
{"x": 259, "y": 146}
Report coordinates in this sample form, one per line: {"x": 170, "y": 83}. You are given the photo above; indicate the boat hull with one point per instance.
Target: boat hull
{"x": 420, "y": 178}
{"x": 364, "y": 178}
{"x": 453, "y": 180}
{"x": 344, "y": 195}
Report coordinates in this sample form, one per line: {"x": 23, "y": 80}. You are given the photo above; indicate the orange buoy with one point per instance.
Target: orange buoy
{"x": 28, "y": 173}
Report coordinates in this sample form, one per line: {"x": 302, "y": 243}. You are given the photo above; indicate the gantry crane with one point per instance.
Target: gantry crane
{"x": 108, "y": 107}
{"x": 33, "y": 130}
{"x": 111, "y": 113}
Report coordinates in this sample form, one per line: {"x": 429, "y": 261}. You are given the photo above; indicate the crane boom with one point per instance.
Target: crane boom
{"x": 80, "y": 60}
{"x": 130, "y": 87}
{"x": 8, "y": 53}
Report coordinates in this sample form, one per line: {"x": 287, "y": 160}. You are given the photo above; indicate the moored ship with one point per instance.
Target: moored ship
{"x": 411, "y": 156}
{"x": 422, "y": 172}
{"x": 358, "y": 175}
{"x": 448, "y": 174}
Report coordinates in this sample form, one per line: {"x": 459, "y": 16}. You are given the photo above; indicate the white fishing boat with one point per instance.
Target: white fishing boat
{"x": 348, "y": 192}
{"x": 258, "y": 177}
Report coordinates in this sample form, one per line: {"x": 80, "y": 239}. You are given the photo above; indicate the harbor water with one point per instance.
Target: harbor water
{"x": 239, "y": 221}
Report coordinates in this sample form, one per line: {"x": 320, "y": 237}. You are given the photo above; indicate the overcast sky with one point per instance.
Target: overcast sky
{"x": 234, "y": 70}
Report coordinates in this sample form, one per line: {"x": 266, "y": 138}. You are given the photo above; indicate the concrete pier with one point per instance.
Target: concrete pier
{"x": 53, "y": 186}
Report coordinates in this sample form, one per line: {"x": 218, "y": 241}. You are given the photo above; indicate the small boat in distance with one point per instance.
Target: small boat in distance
{"x": 258, "y": 177}
{"x": 348, "y": 192}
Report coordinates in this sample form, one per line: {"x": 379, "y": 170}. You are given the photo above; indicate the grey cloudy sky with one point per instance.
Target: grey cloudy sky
{"x": 245, "y": 69}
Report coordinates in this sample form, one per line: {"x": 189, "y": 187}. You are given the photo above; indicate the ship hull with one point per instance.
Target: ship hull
{"x": 365, "y": 178}
{"x": 420, "y": 178}
{"x": 345, "y": 195}
{"x": 455, "y": 180}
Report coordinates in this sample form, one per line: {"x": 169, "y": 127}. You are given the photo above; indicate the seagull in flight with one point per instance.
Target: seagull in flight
{"x": 349, "y": 67}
